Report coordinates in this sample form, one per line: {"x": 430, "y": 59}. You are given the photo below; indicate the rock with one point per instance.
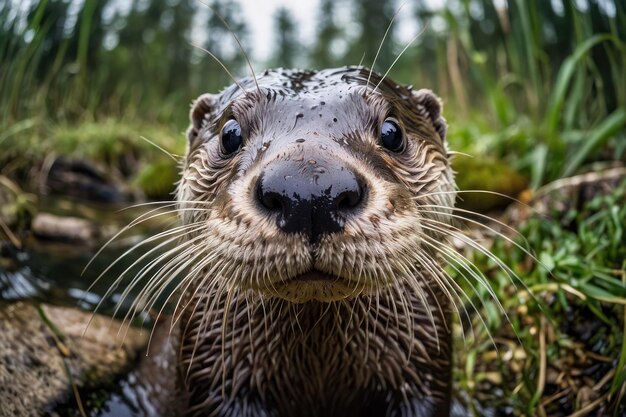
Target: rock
{"x": 82, "y": 180}
{"x": 69, "y": 229}
{"x": 43, "y": 352}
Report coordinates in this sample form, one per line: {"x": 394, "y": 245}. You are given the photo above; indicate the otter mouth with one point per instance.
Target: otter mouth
{"x": 314, "y": 285}
{"x": 315, "y": 275}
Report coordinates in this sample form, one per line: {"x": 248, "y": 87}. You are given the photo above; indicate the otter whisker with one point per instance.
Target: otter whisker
{"x": 452, "y": 256}
{"x": 440, "y": 281}
{"x": 120, "y": 278}
{"x": 448, "y": 285}
{"x": 450, "y": 253}
{"x": 413, "y": 39}
{"x": 243, "y": 52}
{"x": 166, "y": 203}
{"x": 174, "y": 234}
{"x": 209, "y": 53}
{"x": 229, "y": 298}
{"x": 475, "y": 245}
{"x": 205, "y": 316}
{"x": 190, "y": 279}
{"x": 158, "y": 292}
{"x": 494, "y": 231}
{"x": 174, "y": 157}
{"x": 173, "y": 267}
{"x": 407, "y": 314}
{"x": 472, "y": 213}
{"x": 456, "y": 192}
{"x": 458, "y": 290}
{"x": 133, "y": 223}
{"x": 382, "y": 41}
{"x": 406, "y": 271}
{"x": 152, "y": 281}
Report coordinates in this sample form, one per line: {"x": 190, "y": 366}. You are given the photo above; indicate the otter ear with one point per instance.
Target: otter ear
{"x": 430, "y": 105}
{"x": 201, "y": 109}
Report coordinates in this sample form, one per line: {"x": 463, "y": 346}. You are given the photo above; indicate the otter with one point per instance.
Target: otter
{"x": 314, "y": 206}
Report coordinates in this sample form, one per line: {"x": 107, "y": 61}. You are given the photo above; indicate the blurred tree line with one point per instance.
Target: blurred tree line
{"x": 68, "y": 59}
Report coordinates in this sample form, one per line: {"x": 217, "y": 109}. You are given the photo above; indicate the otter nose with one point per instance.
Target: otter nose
{"x": 314, "y": 199}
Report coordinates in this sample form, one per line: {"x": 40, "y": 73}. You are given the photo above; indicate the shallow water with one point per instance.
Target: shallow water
{"x": 54, "y": 272}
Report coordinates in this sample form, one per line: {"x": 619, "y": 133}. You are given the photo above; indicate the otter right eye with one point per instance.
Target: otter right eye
{"x": 391, "y": 135}
{"x": 232, "y": 138}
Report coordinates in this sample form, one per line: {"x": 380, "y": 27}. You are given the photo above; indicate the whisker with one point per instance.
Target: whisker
{"x": 382, "y": 41}
{"x": 143, "y": 271}
{"x": 450, "y": 254}
{"x": 175, "y": 158}
{"x": 222, "y": 65}
{"x": 243, "y": 52}
{"x": 177, "y": 232}
{"x": 499, "y": 234}
{"x": 400, "y": 55}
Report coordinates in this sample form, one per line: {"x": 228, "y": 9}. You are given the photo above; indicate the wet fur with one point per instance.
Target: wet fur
{"x": 384, "y": 349}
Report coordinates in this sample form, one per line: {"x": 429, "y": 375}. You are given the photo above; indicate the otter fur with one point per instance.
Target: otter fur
{"x": 314, "y": 207}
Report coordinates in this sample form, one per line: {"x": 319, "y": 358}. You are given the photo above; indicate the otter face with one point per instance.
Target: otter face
{"x": 316, "y": 186}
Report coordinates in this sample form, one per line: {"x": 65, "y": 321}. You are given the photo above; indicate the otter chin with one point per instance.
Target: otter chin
{"x": 315, "y": 207}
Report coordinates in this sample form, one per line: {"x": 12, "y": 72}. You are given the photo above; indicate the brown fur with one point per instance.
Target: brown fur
{"x": 376, "y": 342}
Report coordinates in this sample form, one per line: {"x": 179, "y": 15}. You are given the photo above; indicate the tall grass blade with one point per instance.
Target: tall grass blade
{"x": 564, "y": 77}
{"x": 605, "y": 130}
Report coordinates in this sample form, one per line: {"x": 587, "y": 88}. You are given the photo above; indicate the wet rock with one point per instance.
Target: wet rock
{"x": 82, "y": 180}
{"x": 68, "y": 229}
{"x": 44, "y": 356}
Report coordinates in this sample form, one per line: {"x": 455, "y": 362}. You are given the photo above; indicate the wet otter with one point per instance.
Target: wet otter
{"x": 314, "y": 205}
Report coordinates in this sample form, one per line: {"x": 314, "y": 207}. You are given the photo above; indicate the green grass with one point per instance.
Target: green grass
{"x": 126, "y": 150}
{"x": 566, "y": 313}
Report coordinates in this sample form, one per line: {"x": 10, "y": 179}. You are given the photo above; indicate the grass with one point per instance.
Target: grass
{"x": 126, "y": 150}
{"x": 562, "y": 348}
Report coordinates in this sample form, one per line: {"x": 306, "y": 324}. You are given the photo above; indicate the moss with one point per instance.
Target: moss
{"x": 501, "y": 182}
{"x": 156, "y": 179}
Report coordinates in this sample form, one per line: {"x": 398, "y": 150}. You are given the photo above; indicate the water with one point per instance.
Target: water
{"x": 53, "y": 272}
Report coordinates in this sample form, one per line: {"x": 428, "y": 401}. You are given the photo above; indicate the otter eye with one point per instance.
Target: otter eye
{"x": 231, "y": 137}
{"x": 391, "y": 135}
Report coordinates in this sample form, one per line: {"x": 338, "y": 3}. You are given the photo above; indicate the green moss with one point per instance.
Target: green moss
{"x": 121, "y": 148}
{"x": 156, "y": 179}
{"x": 501, "y": 183}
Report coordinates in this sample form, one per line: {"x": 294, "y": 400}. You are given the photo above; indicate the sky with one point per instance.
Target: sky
{"x": 259, "y": 17}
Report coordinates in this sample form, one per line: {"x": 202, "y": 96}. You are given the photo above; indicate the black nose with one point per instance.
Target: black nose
{"x": 313, "y": 199}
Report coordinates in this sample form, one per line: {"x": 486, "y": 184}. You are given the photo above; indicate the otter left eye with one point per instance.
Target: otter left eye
{"x": 232, "y": 138}
{"x": 391, "y": 135}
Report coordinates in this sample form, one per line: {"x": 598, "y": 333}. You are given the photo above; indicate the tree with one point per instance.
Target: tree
{"x": 327, "y": 34}
{"x": 373, "y": 17}
{"x": 287, "y": 44}
{"x": 222, "y": 43}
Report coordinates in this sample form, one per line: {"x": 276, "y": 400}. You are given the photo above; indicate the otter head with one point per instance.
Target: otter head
{"x": 316, "y": 186}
